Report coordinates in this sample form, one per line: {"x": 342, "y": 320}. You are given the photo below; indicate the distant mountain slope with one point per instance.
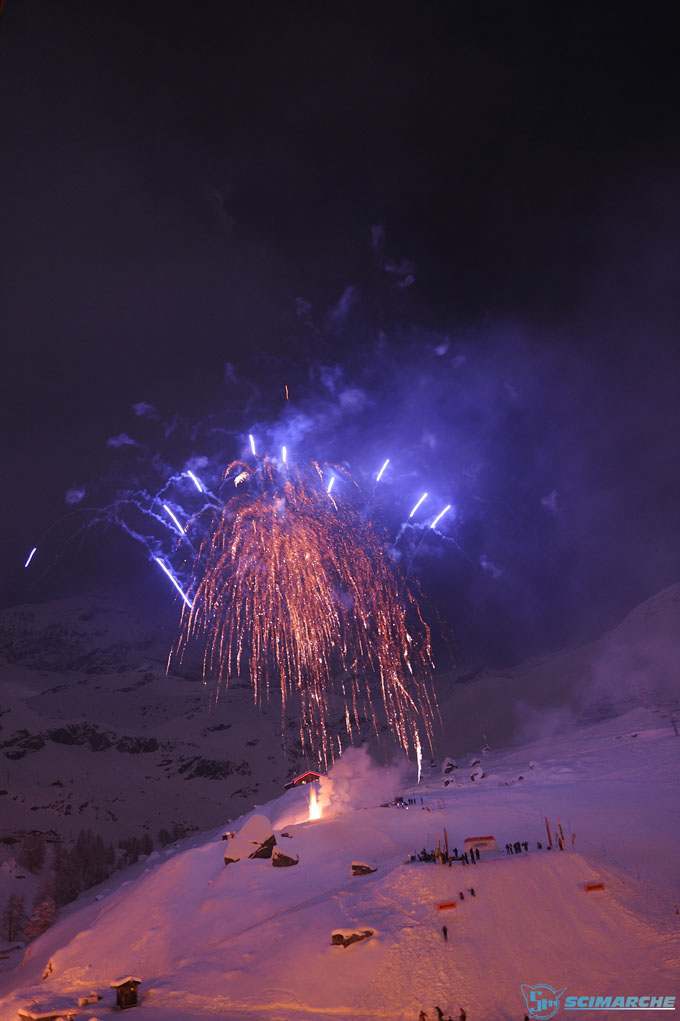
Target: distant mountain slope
{"x": 94, "y": 734}
{"x": 637, "y": 663}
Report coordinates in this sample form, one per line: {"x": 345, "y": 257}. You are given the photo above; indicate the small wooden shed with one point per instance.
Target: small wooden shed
{"x": 126, "y": 991}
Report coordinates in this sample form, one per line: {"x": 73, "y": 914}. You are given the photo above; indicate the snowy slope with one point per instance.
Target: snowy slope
{"x": 250, "y": 941}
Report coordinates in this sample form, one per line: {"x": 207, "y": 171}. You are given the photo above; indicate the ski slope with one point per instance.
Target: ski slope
{"x": 249, "y": 941}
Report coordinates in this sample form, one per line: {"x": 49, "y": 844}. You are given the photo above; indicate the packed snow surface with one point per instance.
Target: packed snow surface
{"x": 250, "y": 941}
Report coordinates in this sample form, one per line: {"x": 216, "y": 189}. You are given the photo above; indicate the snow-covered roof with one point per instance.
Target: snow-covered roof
{"x": 307, "y": 777}
{"x": 254, "y": 832}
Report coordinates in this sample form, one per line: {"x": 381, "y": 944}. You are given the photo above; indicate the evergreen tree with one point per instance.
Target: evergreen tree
{"x": 66, "y": 883}
{"x": 13, "y": 917}
{"x": 32, "y": 853}
{"x": 44, "y": 912}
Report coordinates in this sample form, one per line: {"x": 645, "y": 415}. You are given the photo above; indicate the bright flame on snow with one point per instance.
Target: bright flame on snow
{"x": 419, "y": 755}
{"x": 314, "y": 803}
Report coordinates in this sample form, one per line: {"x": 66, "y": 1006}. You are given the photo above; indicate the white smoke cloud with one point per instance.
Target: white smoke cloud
{"x": 144, "y": 410}
{"x": 354, "y": 399}
{"x": 196, "y": 463}
{"x": 75, "y": 495}
{"x": 122, "y": 440}
{"x": 488, "y": 565}
{"x": 330, "y": 376}
{"x": 356, "y": 781}
{"x": 550, "y": 502}
{"x": 339, "y": 313}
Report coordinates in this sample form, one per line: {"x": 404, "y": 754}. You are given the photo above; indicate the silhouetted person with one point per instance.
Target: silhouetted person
{"x": 445, "y": 933}
{"x": 477, "y": 853}
{"x": 461, "y": 895}
{"x": 518, "y": 847}
{"x": 440, "y": 1013}
{"x": 525, "y": 845}
{"x": 472, "y": 892}
{"x": 462, "y": 1016}
{"x": 464, "y": 858}
{"x": 422, "y": 1016}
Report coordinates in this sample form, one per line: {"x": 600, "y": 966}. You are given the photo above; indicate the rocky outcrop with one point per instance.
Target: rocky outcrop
{"x": 345, "y": 937}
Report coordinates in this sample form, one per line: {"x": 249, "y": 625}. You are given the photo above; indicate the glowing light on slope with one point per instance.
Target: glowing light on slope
{"x": 441, "y": 515}
{"x": 419, "y": 756}
{"x": 379, "y": 475}
{"x": 252, "y": 443}
{"x": 30, "y": 556}
{"x": 423, "y": 497}
{"x": 174, "y": 581}
{"x": 314, "y": 803}
{"x": 195, "y": 481}
{"x": 172, "y": 515}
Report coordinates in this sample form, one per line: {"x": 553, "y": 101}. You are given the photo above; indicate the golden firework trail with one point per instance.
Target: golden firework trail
{"x": 294, "y": 590}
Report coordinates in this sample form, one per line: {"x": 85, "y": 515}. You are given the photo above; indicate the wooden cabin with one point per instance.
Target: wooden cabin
{"x": 309, "y": 777}
{"x": 126, "y": 991}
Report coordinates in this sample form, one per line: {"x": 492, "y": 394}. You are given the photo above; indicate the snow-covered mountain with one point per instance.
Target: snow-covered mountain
{"x": 93, "y": 733}
{"x": 635, "y": 664}
{"x": 248, "y": 941}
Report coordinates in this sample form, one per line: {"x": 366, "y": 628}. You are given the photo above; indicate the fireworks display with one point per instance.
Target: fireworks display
{"x": 293, "y": 589}
{"x": 284, "y": 578}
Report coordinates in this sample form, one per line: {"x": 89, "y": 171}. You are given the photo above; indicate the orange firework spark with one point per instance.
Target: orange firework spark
{"x": 294, "y": 589}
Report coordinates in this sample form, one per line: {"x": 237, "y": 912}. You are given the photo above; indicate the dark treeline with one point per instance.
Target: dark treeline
{"x": 72, "y": 870}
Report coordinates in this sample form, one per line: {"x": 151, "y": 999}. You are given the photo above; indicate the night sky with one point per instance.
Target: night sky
{"x": 451, "y": 229}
